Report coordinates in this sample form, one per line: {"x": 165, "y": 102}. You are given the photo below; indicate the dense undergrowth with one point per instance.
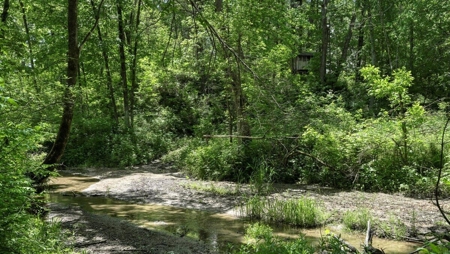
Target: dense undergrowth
{"x": 394, "y": 147}
{"x": 21, "y": 230}
{"x": 363, "y": 155}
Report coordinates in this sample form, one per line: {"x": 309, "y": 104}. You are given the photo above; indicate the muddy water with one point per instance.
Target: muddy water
{"x": 217, "y": 230}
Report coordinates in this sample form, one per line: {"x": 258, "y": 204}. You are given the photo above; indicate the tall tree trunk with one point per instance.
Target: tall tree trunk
{"x": 62, "y": 137}
{"x": 345, "y": 47}
{"x": 123, "y": 66}
{"x": 324, "y": 46}
{"x": 4, "y": 17}
{"x": 385, "y": 34}
{"x": 134, "y": 83}
{"x": 218, "y": 4}
{"x": 5, "y": 11}
{"x": 360, "y": 42}
{"x": 411, "y": 47}
{"x": 73, "y": 56}
{"x": 30, "y": 47}
{"x": 373, "y": 53}
{"x": 109, "y": 82}
{"x": 243, "y": 127}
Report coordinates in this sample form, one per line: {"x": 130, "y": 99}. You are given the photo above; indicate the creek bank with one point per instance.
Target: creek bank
{"x": 161, "y": 184}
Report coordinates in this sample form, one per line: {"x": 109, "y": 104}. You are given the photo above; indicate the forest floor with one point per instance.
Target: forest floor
{"x": 162, "y": 184}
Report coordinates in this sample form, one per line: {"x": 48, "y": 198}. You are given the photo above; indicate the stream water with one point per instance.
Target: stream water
{"x": 217, "y": 230}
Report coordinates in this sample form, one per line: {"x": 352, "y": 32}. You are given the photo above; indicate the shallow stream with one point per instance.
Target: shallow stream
{"x": 217, "y": 230}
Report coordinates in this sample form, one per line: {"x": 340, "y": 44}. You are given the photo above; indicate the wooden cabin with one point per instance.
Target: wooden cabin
{"x": 300, "y": 63}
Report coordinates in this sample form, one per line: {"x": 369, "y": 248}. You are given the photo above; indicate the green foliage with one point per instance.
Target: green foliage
{"x": 357, "y": 220}
{"x": 303, "y": 212}
{"x": 395, "y": 91}
{"x": 435, "y": 248}
{"x": 393, "y": 228}
{"x": 217, "y": 160}
{"x": 21, "y": 232}
{"x": 262, "y": 178}
{"x": 260, "y": 239}
{"x": 99, "y": 142}
{"x": 331, "y": 243}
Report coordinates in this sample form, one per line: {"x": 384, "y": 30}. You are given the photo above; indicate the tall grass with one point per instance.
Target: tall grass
{"x": 302, "y": 212}
{"x": 357, "y": 220}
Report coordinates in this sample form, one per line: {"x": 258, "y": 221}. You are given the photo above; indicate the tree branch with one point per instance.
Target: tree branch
{"x": 97, "y": 18}
{"x": 224, "y": 44}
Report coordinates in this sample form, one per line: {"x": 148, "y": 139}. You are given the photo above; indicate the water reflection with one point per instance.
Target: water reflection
{"x": 217, "y": 230}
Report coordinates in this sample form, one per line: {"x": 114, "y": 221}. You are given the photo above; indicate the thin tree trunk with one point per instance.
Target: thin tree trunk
{"x": 134, "y": 84}
{"x": 109, "y": 82}
{"x": 373, "y": 53}
{"x": 243, "y": 128}
{"x": 360, "y": 43}
{"x": 123, "y": 67}
{"x": 324, "y": 47}
{"x": 30, "y": 47}
{"x": 411, "y": 47}
{"x": 385, "y": 35}
{"x": 345, "y": 46}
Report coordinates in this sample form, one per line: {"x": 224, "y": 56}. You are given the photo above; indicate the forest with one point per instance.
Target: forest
{"x": 352, "y": 95}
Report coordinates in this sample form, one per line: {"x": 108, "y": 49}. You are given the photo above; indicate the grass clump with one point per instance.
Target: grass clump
{"x": 393, "y": 228}
{"x": 357, "y": 220}
{"x": 260, "y": 239}
{"x": 302, "y": 212}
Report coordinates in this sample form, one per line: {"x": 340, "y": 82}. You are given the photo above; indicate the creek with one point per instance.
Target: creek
{"x": 216, "y": 229}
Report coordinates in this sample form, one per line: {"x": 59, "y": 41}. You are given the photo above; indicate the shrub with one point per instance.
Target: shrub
{"x": 218, "y": 160}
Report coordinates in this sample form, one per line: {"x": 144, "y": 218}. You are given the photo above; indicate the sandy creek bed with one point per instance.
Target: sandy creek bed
{"x": 161, "y": 184}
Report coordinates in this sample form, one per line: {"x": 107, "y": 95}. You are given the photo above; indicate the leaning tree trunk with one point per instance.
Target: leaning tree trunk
{"x": 73, "y": 55}
{"x": 62, "y": 137}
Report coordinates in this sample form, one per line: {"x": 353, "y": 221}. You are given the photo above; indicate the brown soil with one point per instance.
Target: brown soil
{"x": 162, "y": 184}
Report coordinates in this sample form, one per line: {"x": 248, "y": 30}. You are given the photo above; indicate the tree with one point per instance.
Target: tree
{"x": 73, "y": 56}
